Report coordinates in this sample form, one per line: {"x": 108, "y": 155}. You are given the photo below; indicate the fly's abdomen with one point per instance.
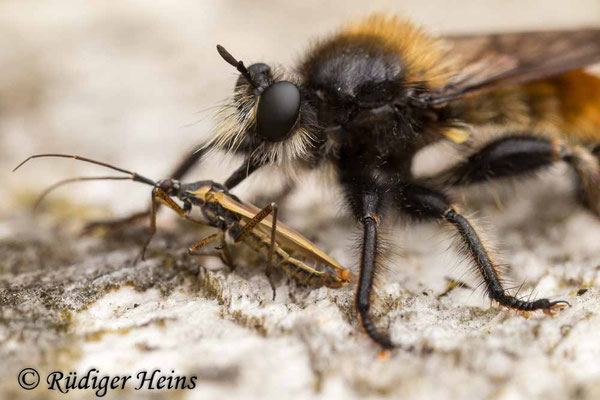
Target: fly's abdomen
{"x": 573, "y": 100}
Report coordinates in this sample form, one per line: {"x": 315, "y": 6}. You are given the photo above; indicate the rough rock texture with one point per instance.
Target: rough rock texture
{"x": 118, "y": 83}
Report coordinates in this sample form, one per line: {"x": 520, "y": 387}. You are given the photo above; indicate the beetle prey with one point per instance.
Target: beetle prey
{"x": 238, "y": 221}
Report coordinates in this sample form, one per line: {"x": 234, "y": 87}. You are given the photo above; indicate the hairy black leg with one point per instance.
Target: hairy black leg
{"x": 187, "y": 163}
{"x": 244, "y": 171}
{"x": 425, "y": 203}
{"x": 365, "y": 195}
{"x": 365, "y": 201}
{"x": 524, "y": 154}
{"x": 368, "y": 263}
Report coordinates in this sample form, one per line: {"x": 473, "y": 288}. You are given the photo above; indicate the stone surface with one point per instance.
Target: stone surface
{"x": 122, "y": 84}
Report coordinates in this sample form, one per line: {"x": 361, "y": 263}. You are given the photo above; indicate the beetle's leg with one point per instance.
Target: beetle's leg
{"x": 160, "y": 197}
{"x": 153, "y": 208}
{"x": 222, "y": 251}
{"x": 269, "y": 269}
{"x": 203, "y": 242}
{"x": 524, "y": 154}
{"x": 226, "y": 254}
{"x": 166, "y": 200}
{"x": 251, "y": 224}
{"x": 249, "y": 227}
{"x": 424, "y": 203}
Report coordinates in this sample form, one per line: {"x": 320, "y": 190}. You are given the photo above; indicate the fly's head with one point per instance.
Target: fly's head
{"x": 269, "y": 118}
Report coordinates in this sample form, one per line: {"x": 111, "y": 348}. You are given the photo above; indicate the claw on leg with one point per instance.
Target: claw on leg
{"x": 549, "y": 308}
{"x": 269, "y": 275}
{"x": 555, "y": 307}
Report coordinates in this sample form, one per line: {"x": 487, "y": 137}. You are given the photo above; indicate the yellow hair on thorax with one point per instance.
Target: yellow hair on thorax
{"x": 424, "y": 57}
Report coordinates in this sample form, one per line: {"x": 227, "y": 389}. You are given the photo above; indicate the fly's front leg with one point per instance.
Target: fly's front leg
{"x": 365, "y": 196}
{"x": 424, "y": 203}
{"x": 244, "y": 171}
{"x": 249, "y": 227}
{"x": 524, "y": 154}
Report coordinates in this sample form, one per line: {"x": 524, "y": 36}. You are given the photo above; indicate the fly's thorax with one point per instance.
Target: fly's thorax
{"x": 370, "y": 87}
{"x": 374, "y": 61}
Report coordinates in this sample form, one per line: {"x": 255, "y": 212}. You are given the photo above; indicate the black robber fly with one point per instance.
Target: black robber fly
{"x": 366, "y": 99}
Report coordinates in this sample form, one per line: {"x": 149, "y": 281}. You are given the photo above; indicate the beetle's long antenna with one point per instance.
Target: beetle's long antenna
{"x": 239, "y": 65}
{"x": 133, "y": 176}
{"x": 78, "y": 179}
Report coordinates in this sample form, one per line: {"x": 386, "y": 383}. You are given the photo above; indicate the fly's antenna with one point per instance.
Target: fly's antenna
{"x": 239, "y": 65}
{"x": 132, "y": 175}
{"x": 58, "y": 184}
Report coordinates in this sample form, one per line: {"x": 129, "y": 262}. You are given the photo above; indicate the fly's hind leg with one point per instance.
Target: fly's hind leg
{"x": 427, "y": 204}
{"x": 251, "y": 225}
{"x": 522, "y": 154}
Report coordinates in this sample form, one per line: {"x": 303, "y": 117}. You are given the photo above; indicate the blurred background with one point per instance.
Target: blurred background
{"x": 134, "y": 82}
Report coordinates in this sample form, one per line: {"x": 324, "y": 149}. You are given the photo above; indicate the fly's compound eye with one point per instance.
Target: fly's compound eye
{"x": 278, "y": 109}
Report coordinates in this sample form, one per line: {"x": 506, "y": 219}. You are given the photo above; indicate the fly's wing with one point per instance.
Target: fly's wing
{"x": 489, "y": 62}
{"x": 287, "y": 238}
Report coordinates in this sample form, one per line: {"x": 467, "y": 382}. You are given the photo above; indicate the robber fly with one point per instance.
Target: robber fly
{"x": 237, "y": 222}
{"x": 366, "y": 99}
